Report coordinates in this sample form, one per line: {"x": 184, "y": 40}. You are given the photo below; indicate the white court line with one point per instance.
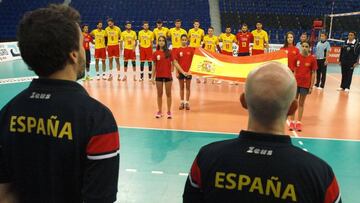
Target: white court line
{"x": 17, "y": 80}
{"x": 157, "y": 172}
{"x": 227, "y": 133}
{"x": 183, "y": 174}
{"x": 131, "y": 170}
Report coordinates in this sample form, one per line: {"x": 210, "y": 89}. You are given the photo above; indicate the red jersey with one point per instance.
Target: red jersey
{"x": 184, "y": 56}
{"x": 244, "y": 40}
{"x": 87, "y": 40}
{"x": 162, "y": 64}
{"x": 305, "y": 64}
{"x": 292, "y": 53}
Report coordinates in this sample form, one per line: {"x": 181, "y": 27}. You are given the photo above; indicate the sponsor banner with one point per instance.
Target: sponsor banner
{"x": 334, "y": 55}
{"x": 9, "y": 51}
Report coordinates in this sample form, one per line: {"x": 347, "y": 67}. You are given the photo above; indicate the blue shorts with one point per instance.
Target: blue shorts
{"x": 303, "y": 90}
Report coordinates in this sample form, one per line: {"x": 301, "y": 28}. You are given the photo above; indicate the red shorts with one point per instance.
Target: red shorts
{"x": 129, "y": 54}
{"x": 146, "y": 54}
{"x": 226, "y": 53}
{"x": 113, "y": 51}
{"x": 257, "y": 52}
{"x": 100, "y": 53}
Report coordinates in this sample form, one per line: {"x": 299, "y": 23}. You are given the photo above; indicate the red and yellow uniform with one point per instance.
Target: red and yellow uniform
{"x": 175, "y": 35}
{"x": 146, "y": 39}
{"x": 292, "y": 53}
{"x": 164, "y": 31}
{"x": 306, "y": 65}
{"x": 210, "y": 43}
{"x": 260, "y": 39}
{"x": 244, "y": 40}
{"x": 227, "y": 43}
{"x": 99, "y": 35}
{"x": 129, "y": 38}
{"x": 87, "y": 40}
{"x": 195, "y": 37}
{"x": 114, "y": 35}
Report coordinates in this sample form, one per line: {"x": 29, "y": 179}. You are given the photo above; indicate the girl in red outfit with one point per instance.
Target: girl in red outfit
{"x": 291, "y": 50}
{"x": 162, "y": 74}
{"x": 305, "y": 78}
{"x": 182, "y": 61}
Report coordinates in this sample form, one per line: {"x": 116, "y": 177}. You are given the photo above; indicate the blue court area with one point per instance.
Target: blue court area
{"x": 154, "y": 162}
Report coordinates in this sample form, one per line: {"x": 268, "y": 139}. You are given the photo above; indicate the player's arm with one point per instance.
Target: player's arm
{"x": 313, "y": 73}
{"x": 178, "y": 67}
{"x": 100, "y": 180}
{"x": 153, "y": 72}
{"x": 266, "y": 42}
{"x": 136, "y": 41}
{"x": 331, "y": 188}
{"x": 193, "y": 192}
{"x": 7, "y": 195}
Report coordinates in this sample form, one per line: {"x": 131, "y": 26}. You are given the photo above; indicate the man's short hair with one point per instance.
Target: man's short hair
{"x": 39, "y": 33}
{"x": 211, "y": 27}
{"x": 145, "y": 22}
{"x": 196, "y": 21}
{"x": 127, "y": 23}
{"x": 159, "y": 22}
{"x": 177, "y": 21}
{"x": 110, "y": 20}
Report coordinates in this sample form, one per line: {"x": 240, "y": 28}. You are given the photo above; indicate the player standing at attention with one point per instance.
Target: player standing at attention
{"x": 146, "y": 39}
{"x": 303, "y": 38}
{"x": 182, "y": 61}
{"x": 86, "y": 44}
{"x": 100, "y": 52}
{"x": 175, "y": 34}
{"x": 322, "y": 52}
{"x": 196, "y": 35}
{"x": 305, "y": 77}
{"x": 227, "y": 40}
{"x": 162, "y": 74}
{"x": 129, "y": 38}
{"x": 291, "y": 50}
{"x": 210, "y": 43}
{"x": 114, "y": 35}
{"x": 261, "y": 40}
{"x": 244, "y": 39}
{"x": 160, "y": 31}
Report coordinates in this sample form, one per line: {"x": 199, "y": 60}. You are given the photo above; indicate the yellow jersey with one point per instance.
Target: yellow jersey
{"x": 146, "y": 38}
{"x": 195, "y": 37}
{"x": 210, "y": 43}
{"x": 160, "y": 32}
{"x": 129, "y": 39}
{"x": 99, "y": 36}
{"x": 114, "y": 35}
{"x": 227, "y": 41}
{"x": 260, "y": 38}
{"x": 175, "y": 35}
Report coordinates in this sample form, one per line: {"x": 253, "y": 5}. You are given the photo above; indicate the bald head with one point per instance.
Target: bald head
{"x": 269, "y": 92}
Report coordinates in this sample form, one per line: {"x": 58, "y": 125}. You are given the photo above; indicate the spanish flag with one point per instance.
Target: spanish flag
{"x": 215, "y": 65}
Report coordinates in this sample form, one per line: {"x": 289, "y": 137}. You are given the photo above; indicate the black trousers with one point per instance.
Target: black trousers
{"x": 347, "y": 71}
{"x": 321, "y": 73}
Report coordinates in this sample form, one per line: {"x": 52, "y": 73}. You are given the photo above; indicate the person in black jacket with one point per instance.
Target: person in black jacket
{"x": 349, "y": 58}
{"x": 57, "y": 144}
{"x": 262, "y": 165}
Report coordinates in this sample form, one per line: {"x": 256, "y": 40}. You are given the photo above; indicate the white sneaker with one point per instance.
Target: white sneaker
{"x": 347, "y": 90}
{"x": 104, "y": 77}
{"x": 340, "y": 89}
{"x": 97, "y": 77}
{"x": 319, "y": 88}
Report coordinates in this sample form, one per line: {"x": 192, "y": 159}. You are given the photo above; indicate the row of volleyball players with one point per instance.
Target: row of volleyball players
{"x": 110, "y": 42}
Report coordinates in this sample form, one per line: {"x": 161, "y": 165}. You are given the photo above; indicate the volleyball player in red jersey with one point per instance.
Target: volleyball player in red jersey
{"x": 305, "y": 78}
{"x": 182, "y": 61}
{"x": 162, "y": 74}
{"x": 244, "y": 38}
{"x": 86, "y": 44}
{"x": 291, "y": 50}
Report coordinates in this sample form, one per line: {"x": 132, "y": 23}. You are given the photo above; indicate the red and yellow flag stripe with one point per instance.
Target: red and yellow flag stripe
{"x": 225, "y": 67}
